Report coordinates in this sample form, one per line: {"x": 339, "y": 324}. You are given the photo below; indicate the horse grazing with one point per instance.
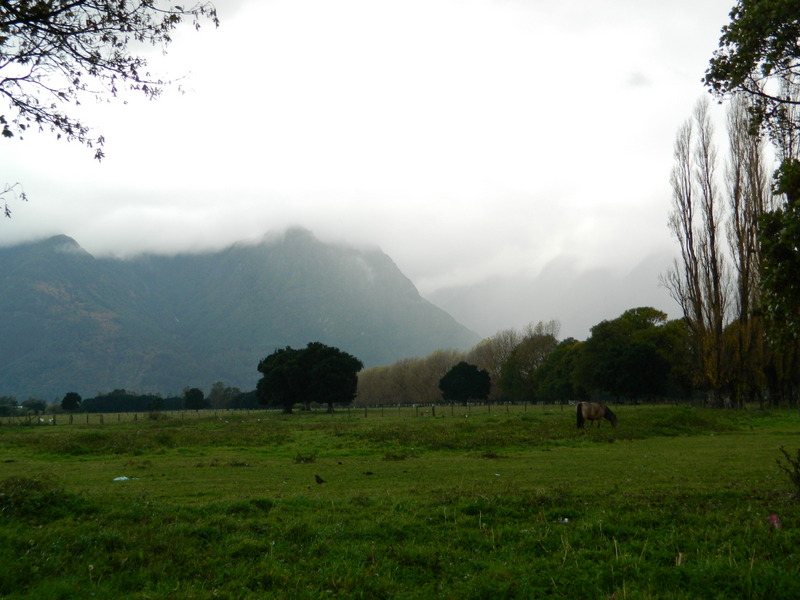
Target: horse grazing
{"x": 594, "y": 412}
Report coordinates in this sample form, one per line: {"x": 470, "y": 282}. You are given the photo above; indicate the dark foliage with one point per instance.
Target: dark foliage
{"x": 71, "y": 401}
{"x": 780, "y": 246}
{"x": 124, "y": 401}
{"x": 758, "y": 45}
{"x": 194, "y": 399}
{"x": 317, "y": 373}
{"x": 465, "y": 382}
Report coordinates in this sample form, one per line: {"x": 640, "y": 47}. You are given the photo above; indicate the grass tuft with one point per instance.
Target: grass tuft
{"x": 38, "y": 499}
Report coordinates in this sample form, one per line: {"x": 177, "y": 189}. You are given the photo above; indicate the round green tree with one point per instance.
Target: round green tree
{"x": 71, "y": 401}
{"x": 316, "y": 373}
{"x": 465, "y": 382}
{"x": 194, "y": 399}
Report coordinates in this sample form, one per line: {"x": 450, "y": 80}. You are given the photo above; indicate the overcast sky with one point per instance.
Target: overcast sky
{"x": 471, "y": 140}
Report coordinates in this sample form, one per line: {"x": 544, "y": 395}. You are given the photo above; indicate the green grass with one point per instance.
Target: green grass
{"x": 674, "y": 503}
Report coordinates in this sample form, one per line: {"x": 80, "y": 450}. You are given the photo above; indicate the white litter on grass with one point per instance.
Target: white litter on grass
{"x": 121, "y": 479}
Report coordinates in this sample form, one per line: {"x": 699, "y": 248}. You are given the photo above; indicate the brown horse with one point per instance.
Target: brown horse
{"x": 592, "y": 411}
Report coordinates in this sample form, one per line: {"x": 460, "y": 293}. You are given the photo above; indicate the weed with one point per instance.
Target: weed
{"x": 393, "y": 456}
{"x": 257, "y": 506}
{"x": 305, "y": 458}
{"x": 792, "y": 469}
{"x": 491, "y": 454}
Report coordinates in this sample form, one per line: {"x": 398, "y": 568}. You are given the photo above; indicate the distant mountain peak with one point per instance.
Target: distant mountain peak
{"x": 294, "y": 234}
{"x": 65, "y": 245}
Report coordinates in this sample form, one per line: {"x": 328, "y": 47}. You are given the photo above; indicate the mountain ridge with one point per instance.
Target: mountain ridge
{"x": 156, "y": 324}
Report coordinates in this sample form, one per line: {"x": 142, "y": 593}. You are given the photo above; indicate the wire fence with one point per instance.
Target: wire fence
{"x": 379, "y": 411}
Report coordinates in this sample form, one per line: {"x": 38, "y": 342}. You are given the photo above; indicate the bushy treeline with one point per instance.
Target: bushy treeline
{"x": 219, "y": 396}
{"x": 121, "y": 400}
{"x": 639, "y": 356}
{"x": 125, "y": 401}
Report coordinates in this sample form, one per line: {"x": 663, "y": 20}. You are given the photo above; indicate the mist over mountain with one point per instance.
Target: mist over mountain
{"x": 73, "y": 322}
{"x": 578, "y": 299}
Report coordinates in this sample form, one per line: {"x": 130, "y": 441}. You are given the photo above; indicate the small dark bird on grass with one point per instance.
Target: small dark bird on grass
{"x": 319, "y": 479}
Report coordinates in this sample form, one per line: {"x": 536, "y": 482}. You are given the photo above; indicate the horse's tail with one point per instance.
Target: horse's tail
{"x": 580, "y": 415}
{"x": 611, "y": 417}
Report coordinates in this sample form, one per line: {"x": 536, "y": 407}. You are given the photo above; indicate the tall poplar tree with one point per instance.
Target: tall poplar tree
{"x": 699, "y": 280}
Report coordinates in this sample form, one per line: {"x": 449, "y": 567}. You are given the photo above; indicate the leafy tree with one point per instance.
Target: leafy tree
{"x": 759, "y": 48}
{"x": 517, "y": 374}
{"x": 621, "y": 357}
{"x": 194, "y": 399}
{"x": 221, "y": 396}
{"x": 71, "y": 401}
{"x": 8, "y": 404}
{"x": 673, "y": 342}
{"x": 317, "y": 373}
{"x": 555, "y": 378}
{"x": 282, "y": 382}
{"x": 332, "y": 375}
{"x": 121, "y": 400}
{"x": 245, "y": 400}
{"x": 37, "y": 406}
{"x": 465, "y": 382}
{"x": 780, "y": 244}
{"x": 759, "y": 55}
{"x": 780, "y": 282}
{"x": 493, "y": 352}
{"x": 156, "y": 404}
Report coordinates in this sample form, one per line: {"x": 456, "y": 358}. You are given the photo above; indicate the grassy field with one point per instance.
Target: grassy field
{"x": 674, "y": 503}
